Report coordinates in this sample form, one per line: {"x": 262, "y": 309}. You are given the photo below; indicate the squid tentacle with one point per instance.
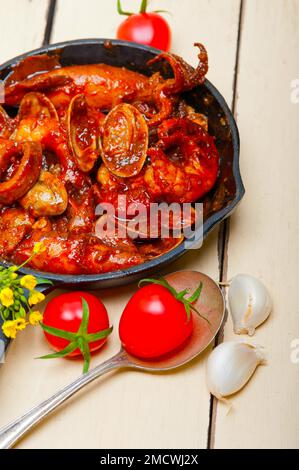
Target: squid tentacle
{"x": 185, "y": 77}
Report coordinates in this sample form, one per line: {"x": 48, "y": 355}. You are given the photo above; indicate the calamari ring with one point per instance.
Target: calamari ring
{"x": 27, "y": 172}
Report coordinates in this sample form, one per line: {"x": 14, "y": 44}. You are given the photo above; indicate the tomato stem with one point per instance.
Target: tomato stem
{"x": 180, "y": 296}
{"x": 121, "y": 11}
{"x": 79, "y": 340}
{"x": 143, "y": 7}
{"x": 64, "y": 352}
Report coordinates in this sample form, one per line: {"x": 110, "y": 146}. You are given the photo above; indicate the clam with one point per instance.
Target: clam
{"x": 125, "y": 141}
{"x": 83, "y": 133}
{"x": 37, "y": 105}
{"x": 48, "y": 197}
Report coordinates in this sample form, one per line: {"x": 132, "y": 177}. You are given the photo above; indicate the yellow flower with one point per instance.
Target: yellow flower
{"x": 11, "y": 327}
{"x": 35, "y": 297}
{"x": 6, "y": 297}
{"x": 20, "y": 324}
{"x": 13, "y": 276}
{"x": 39, "y": 247}
{"x": 35, "y": 318}
{"x": 28, "y": 281}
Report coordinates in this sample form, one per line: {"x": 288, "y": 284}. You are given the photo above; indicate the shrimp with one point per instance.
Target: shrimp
{"x": 63, "y": 254}
{"x": 184, "y": 163}
{"x": 15, "y": 224}
{"x": 110, "y": 187}
{"x": 67, "y": 254}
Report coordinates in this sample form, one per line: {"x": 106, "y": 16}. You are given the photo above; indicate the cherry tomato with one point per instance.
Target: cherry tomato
{"x": 154, "y": 323}
{"x": 150, "y": 29}
{"x": 65, "y": 311}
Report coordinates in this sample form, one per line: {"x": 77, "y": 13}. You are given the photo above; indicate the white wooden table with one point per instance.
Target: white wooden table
{"x": 254, "y": 57}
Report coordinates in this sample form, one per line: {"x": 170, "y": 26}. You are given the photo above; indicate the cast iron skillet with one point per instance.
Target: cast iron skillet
{"x": 218, "y": 204}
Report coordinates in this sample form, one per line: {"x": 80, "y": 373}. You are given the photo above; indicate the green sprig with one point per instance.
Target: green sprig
{"x": 9, "y": 277}
{"x": 79, "y": 340}
{"x": 121, "y": 11}
{"x": 143, "y": 6}
{"x": 142, "y": 10}
{"x": 180, "y": 296}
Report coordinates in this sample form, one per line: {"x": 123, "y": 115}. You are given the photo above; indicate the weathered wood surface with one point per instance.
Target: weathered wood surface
{"x": 264, "y": 231}
{"x": 129, "y": 409}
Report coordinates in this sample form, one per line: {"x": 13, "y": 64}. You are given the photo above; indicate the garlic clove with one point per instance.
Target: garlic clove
{"x": 230, "y": 366}
{"x": 249, "y": 302}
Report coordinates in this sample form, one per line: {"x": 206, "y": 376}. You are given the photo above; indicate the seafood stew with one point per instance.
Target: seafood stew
{"x": 85, "y": 134}
{"x": 205, "y": 99}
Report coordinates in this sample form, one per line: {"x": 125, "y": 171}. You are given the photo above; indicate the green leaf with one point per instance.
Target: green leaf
{"x": 22, "y": 312}
{"x": 161, "y": 282}
{"x": 100, "y": 335}
{"x": 196, "y": 294}
{"x": 121, "y": 11}
{"x": 60, "y": 333}
{"x": 84, "y": 348}
{"x": 198, "y": 313}
{"x": 162, "y": 11}
{"x": 6, "y": 313}
{"x": 182, "y": 294}
{"x": 80, "y": 340}
{"x": 64, "y": 352}
{"x": 85, "y": 318}
{"x": 23, "y": 299}
{"x": 42, "y": 280}
{"x": 149, "y": 280}
{"x": 187, "y": 308}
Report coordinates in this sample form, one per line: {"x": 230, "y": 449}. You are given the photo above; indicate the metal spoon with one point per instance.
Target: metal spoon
{"x": 210, "y": 304}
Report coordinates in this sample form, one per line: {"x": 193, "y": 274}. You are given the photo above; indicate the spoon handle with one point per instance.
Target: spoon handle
{"x": 11, "y": 433}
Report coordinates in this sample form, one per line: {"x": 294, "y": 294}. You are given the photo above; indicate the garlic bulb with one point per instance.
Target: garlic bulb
{"x": 230, "y": 366}
{"x": 249, "y": 302}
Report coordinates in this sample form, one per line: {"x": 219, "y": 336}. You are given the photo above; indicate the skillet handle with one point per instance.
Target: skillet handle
{"x": 13, "y": 432}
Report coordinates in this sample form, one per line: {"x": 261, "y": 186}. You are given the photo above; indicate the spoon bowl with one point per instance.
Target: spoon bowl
{"x": 211, "y": 307}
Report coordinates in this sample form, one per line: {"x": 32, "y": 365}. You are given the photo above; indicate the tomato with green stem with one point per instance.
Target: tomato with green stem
{"x": 157, "y": 319}
{"x": 146, "y": 28}
{"x": 75, "y": 323}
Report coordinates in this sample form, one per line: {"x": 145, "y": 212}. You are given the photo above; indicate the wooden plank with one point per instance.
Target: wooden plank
{"x": 23, "y": 26}
{"x": 129, "y": 409}
{"x": 213, "y": 23}
{"x": 264, "y": 231}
